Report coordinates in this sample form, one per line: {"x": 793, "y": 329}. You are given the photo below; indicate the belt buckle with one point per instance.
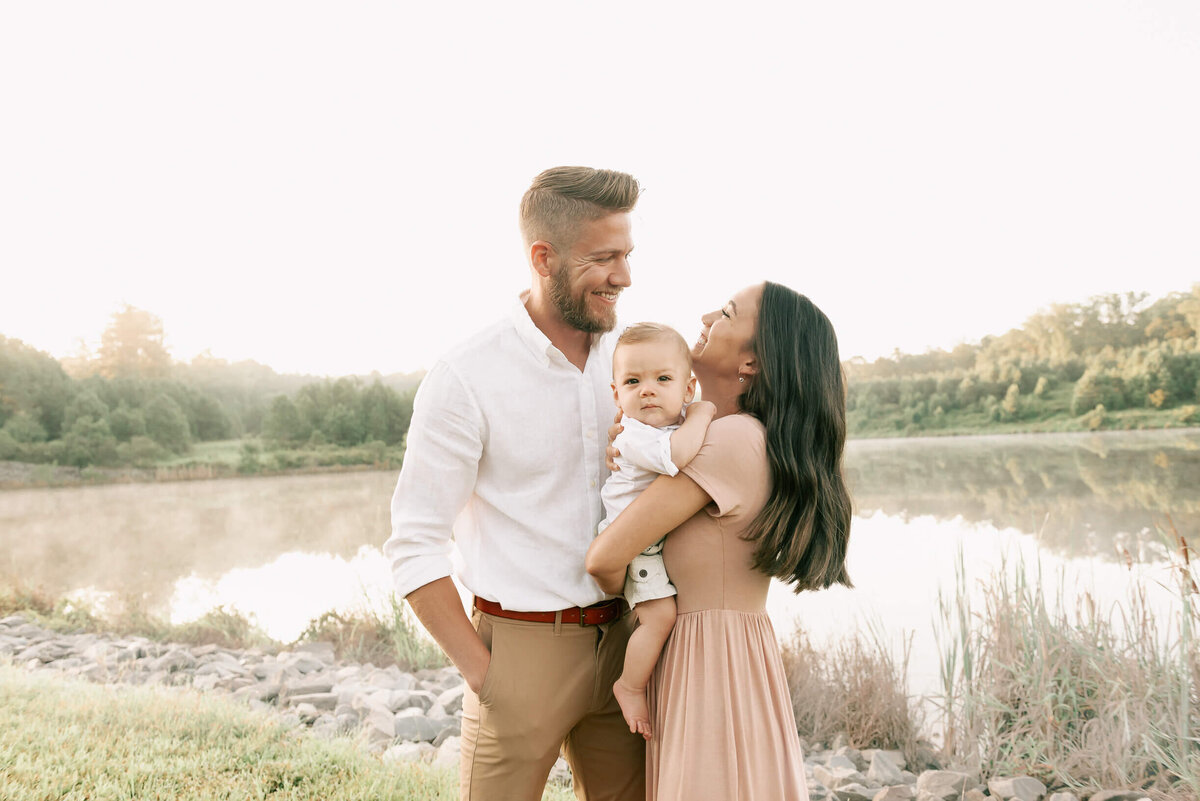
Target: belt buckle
{"x": 583, "y": 617}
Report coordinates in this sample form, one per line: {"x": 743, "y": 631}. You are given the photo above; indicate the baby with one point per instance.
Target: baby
{"x": 652, "y": 382}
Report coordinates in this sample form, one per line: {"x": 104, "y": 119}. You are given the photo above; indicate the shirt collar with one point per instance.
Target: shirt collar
{"x": 538, "y": 343}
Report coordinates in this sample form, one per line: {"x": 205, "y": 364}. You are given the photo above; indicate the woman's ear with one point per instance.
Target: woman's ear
{"x": 748, "y": 368}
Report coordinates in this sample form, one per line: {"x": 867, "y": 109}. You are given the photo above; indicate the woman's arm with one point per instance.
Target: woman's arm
{"x": 662, "y": 507}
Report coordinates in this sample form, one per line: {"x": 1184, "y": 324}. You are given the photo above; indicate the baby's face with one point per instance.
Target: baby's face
{"x": 651, "y": 382}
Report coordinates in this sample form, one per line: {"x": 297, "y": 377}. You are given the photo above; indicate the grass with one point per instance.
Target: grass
{"x": 381, "y": 634}
{"x": 854, "y": 688}
{"x": 1078, "y": 698}
{"x": 79, "y": 742}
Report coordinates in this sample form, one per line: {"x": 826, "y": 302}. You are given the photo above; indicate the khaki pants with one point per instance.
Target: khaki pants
{"x": 549, "y": 687}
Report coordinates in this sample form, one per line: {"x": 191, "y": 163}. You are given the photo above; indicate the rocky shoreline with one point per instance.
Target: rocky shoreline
{"x": 416, "y": 717}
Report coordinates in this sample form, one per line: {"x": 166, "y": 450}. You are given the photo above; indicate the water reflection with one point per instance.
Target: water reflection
{"x": 1083, "y": 495}
{"x": 286, "y": 549}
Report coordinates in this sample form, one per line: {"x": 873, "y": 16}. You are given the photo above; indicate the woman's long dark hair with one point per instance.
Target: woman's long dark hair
{"x": 799, "y": 395}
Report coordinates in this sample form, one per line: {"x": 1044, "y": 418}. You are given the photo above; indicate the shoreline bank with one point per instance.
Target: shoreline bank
{"x": 416, "y": 717}
{"x": 32, "y": 475}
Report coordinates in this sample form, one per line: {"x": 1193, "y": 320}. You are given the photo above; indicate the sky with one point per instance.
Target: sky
{"x": 332, "y": 188}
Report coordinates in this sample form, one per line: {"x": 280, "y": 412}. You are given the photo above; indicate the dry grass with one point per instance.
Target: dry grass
{"x": 1076, "y": 697}
{"x": 855, "y": 688}
{"x": 382, "y": 634}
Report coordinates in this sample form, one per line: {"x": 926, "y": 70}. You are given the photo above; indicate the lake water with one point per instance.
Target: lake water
{"x": 286, "y": 549}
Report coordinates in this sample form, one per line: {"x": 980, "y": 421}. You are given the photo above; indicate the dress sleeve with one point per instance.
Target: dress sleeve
{"x": 731, "y": 465}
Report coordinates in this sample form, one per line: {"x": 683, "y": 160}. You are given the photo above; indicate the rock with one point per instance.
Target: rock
{"x": 854, "y": 755}
{"x": 841, "y": 761}
{"x": 324, "y": 701}
{"x": 407, "y": 752}
{"x": 416, "y": 727}
{"x": 14, "y": 620}
{"x": 379, "y": 725}
{"x": 818, "y": 792}
{"x": 173, "y": 661}
{"x": 1118, "y": 795}
{"x": 909, "y": 777}
{"x": 307, "y": 712}
{"x": 836, "y": 778}
{"x": 944, "y": 784}
{"x": 895, "y": 757}
{"x": 899, "y": 792}
{"x": 1063, "y": 796}
{"x": 854, "y": 792}
{"x": 1022, "y": 788}
{"x": 403, "y": 699}
{"x": 204, "y": 683}
{"x": 883, "y": 772}
{"x": 974, "y": 794}
{"x": 310, "y": 685}
{"x": 265, "y": 691}
{"x": 326, "y": 726}
{"x": 448, "y": 752}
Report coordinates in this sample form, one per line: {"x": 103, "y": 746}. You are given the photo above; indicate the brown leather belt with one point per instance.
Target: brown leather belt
{"x": 594, "y": 615}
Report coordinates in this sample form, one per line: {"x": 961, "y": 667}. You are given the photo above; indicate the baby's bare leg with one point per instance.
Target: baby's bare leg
{"x": 655, "y": 620}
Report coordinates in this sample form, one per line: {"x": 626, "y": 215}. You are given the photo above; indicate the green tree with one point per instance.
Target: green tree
{"x": 167, "y": 425}
{"x": 343, "y": 426}
{"x": 85, "y": 404}
{"x": 284, "y": 424}
{"x": 126, "y": 423}
{"x": 88, "y": 442}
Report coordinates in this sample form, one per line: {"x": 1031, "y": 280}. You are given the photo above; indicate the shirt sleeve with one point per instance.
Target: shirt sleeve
{"x": 441, "y": 461}
{"x": 731, "y": 465}
{"x": 646, "y": 447}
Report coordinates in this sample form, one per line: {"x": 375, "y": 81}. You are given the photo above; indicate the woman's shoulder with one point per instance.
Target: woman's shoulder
{"x": 736, "y": 435}
{"x": 739, "y": 428}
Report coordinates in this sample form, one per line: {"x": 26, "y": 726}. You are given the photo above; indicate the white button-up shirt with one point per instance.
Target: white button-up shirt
{"x": 503, "y": 469}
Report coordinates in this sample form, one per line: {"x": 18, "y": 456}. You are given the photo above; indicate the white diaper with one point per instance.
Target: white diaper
{"x": 647, "y": 577}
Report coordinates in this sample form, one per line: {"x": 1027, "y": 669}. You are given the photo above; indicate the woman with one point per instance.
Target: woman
{"x": 764, "y": 498}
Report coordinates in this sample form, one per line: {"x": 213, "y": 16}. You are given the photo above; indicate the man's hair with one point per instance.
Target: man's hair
{"x": 654, "y": 332}
{"x": 560, "y": 198}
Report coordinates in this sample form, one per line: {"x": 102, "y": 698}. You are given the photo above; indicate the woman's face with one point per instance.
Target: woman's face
{"x": 724, "y": 344}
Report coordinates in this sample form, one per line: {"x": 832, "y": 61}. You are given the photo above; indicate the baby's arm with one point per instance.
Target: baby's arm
{"x": 687, "y": 439}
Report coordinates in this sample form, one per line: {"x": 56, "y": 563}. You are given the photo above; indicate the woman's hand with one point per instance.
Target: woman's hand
{"x": 611, "y": 453}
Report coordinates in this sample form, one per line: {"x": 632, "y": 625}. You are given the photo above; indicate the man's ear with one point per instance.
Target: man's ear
{"x": 690, "y": 392}
{"x": 541, "y": 257}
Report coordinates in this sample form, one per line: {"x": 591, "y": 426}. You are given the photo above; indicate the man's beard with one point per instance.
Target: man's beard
{"x": 574, "y": 310}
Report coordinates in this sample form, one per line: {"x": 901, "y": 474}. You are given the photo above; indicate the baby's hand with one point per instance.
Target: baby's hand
{"x": 705, "y": 408}
{"x": 611, "y": 453}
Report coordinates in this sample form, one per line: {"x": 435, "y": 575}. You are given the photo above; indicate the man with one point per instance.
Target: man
{"x": 506, "y": 449}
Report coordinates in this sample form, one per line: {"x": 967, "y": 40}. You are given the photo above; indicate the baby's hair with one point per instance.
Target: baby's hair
{"x": 654, "y": 332}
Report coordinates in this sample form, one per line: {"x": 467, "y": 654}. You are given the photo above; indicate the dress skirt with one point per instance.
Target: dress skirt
{"x": 722, "y": 714}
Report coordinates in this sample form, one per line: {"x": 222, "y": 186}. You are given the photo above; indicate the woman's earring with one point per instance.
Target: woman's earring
{"x": 741, "y": 379}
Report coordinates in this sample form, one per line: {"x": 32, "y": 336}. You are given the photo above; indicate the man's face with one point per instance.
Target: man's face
{"x": 652, "y": 382}
{"x": 590, "y": 274}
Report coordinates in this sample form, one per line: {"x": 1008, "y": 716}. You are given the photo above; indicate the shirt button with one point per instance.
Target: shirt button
{"x": 591, "y": 434}
{"x": 593, "y": 482}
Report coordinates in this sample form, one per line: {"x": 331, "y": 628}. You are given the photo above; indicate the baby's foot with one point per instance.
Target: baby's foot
{"x": 633, "y": 707}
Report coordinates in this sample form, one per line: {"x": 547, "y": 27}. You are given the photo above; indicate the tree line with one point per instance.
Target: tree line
{"x": 1112, "y": 352}
{"x": 129, "y": 404}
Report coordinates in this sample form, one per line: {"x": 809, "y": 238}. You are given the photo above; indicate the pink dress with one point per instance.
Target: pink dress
{"x": 719, "y": 700}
